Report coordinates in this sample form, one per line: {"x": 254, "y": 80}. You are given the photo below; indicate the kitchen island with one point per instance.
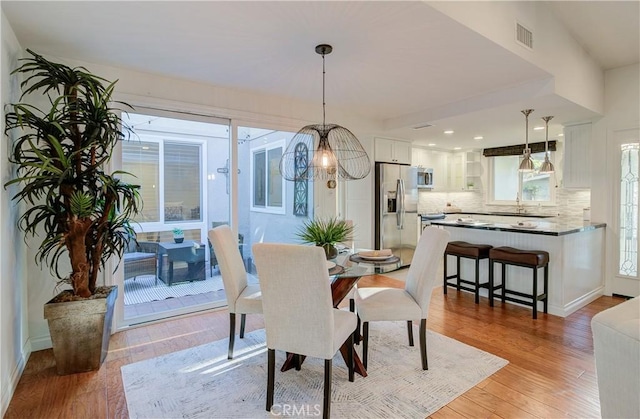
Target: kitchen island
{"x": 576, "y": 256}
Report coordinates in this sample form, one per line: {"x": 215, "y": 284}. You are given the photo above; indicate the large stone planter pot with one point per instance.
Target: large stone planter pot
{"x": 80, "y": 332}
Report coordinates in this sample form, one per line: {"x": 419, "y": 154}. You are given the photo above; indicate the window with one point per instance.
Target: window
{"x": 268, "y": 187}
{"x": 629, "y": 173}
{"x": 508, "y": 184}
{"x": 169, "y": 173}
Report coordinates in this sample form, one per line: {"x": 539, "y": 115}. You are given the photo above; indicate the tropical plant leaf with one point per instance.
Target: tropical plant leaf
{"x": 325, "y": 231}
{"x": 60, "y": 151}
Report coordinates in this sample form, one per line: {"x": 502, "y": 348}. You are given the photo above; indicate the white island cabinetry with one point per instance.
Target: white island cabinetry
{"x": 575, "y": 260}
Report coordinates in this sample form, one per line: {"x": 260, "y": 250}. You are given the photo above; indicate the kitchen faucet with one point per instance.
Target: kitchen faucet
{"x": 519, "y": 207}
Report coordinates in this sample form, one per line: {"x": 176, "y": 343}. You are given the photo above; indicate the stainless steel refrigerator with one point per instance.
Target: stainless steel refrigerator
{"x": 396, "y": 214}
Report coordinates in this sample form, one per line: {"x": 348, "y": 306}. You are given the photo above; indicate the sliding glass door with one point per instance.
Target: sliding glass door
{"x": 181, "y": 163}
{"x": 270, "y": 209}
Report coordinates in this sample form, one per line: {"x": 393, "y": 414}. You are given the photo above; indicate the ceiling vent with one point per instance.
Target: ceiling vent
{"x": 422, "y": 126}
{"x": 524, "y": 36}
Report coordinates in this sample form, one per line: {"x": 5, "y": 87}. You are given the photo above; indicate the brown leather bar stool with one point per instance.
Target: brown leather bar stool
{"x": 470, "y": 251}
{"x": 533, "y": 259}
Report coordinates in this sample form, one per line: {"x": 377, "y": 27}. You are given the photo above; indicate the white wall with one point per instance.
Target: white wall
{"x": 13, "y": 287}
{"x": 577, "y": 75}
{"x": 622, "y": 112}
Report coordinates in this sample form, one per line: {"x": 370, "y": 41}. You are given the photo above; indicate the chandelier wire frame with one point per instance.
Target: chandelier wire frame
{"x": 337, "y": 153}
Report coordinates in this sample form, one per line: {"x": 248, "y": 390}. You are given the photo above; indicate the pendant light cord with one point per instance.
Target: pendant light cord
{"x": 546, "y": 120}
{"x": 526, "y": 113}
{"x": 323, "y": 102}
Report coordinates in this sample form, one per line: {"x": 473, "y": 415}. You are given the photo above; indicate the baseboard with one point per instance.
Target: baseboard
{"x": 7, "y": 392}
{"x": 40, "y": 343}
{"x": 578, "y": 303}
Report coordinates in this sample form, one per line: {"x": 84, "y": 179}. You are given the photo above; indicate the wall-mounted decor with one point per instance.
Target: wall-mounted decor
{"x": 301, "y": 186}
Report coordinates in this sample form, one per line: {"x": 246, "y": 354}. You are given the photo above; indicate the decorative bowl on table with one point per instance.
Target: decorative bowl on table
{"x": 374, "y": 255}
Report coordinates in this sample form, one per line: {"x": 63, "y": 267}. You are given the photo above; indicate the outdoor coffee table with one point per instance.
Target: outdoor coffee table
{"x": 190, "y": 252}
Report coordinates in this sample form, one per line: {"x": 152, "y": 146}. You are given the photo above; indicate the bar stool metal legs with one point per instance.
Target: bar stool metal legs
{"x": 534, "y": 259}
{"x": 475, "y": 252}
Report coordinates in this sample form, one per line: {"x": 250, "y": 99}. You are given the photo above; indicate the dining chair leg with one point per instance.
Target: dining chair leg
{"x": 358, "y": 336}
{"x": 352, "y": 308}
{"x": 423, "y": 344}
{"x": 243, "y": 319}
{"x": 232, "y": 333}
{"x": 350, "y": 356}
{"x": 365, "y": 343}
{"x": 271, "y": 372}
{"x": 410, "y": 331}
{"x": 326, "y": 408}
{"x": 298, "y": 362}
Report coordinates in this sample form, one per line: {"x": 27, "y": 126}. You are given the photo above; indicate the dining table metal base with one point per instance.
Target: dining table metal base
{"x": 292, "y": 361}
{"x": 340, "y": 287}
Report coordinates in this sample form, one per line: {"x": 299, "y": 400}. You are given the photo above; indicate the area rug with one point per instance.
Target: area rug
{"x": 201, "y": 383}
{"x": 145, "y": 289}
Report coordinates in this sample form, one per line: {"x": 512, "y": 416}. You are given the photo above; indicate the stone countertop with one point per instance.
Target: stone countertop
{"x": 548, "y": 228}
{"x": 501, "y": 214}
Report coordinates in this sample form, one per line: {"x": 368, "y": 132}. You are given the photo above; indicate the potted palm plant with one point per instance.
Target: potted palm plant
{"x": 326, "y": 233}
{"x": 79, "y": 212}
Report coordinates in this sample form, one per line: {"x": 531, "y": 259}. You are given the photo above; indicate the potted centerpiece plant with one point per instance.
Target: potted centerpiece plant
{"x": 326, "y": 233}
{"x": 178, "y": 235}
{"x": 78, "y": 212}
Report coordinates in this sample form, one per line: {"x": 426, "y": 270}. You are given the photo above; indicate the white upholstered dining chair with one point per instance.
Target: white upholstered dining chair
{"x": 241, "y": 298}
{"x": 410, "y": 303}
{"x": 298, "y": 308}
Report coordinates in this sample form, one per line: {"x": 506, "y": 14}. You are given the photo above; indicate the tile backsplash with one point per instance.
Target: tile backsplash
{"x": 569, "y": 203}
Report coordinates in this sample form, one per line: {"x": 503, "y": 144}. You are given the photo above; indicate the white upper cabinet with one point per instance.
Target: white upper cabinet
{"x": 465, "y": 171}
{"x": 432, "y": 159}
{"x": 577, "y": 156}
{"x": 392, "y": 151}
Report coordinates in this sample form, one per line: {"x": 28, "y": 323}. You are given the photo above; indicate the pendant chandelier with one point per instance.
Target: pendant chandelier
{"x": 526, "y": 165}
{"x": 547, "y": 166}
{"x": 337, "y": 153}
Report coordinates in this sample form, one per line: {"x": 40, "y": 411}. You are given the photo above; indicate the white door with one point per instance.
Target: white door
{"x": 626, "y": 277}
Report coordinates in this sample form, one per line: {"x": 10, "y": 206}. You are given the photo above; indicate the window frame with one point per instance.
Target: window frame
{"x": 552, "y": 202}
{"x": 162, "y": 224}
{"x": 265, "y": 148}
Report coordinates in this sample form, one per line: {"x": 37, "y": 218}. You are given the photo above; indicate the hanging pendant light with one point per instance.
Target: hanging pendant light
{"x": 526, "y": 165}
{"x": 547, "y": 166}
{"x": 337, "y": 153}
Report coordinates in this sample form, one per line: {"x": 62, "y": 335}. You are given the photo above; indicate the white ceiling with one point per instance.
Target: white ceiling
{"x": 390, "y": 59}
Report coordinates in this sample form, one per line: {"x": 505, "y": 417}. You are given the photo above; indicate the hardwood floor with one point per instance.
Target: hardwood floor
{"x": 551, "y": 370}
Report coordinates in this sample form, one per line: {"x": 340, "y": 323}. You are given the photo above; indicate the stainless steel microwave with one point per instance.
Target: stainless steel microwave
{"x": 425, "y": 178}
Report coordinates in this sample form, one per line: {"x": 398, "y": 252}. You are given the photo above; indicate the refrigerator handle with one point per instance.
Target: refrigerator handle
{"x": 401, "y": 209}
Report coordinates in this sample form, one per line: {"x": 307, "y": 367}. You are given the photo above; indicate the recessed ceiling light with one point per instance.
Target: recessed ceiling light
{"x": 537, "y": 128}
{"x": 478, "y": 137}
{"x": 560, "y": 135}
{"x": 457, "y": 148}
{"x": 449, "y": 131}
{"x": 432, "y": 144}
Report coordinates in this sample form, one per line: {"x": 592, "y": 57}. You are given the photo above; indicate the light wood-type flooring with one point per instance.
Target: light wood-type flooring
{"x": 551, "y": 370}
